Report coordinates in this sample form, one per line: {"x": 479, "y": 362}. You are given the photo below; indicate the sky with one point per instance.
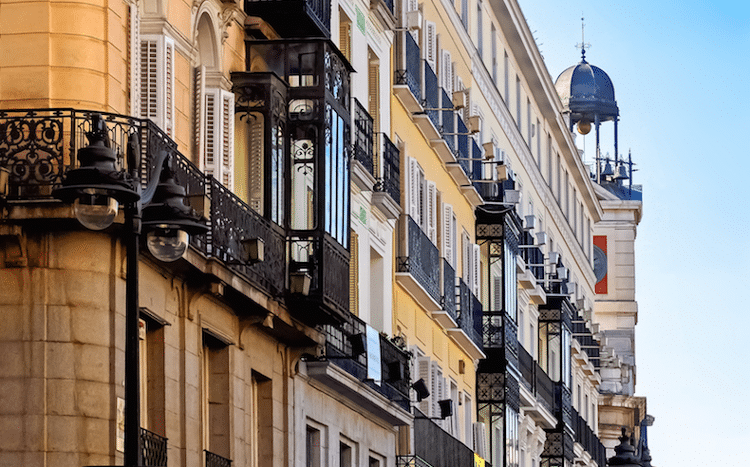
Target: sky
{"x": 681, "y": 73}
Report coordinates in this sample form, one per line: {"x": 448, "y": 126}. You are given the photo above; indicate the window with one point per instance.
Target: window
{"x": 518, "y": 102}
{"x": 157, "y": 81}
{"x": 262, "y": 420}
{"x": 373, "y": 89}
{"x": 507, "y": 84}
{"x": 493, "y": 38}
{"x": 345, "y": 35}
{"x": 151, "y": 352}
{"x": 346, "y": 455}
{"x": 216, "y": 394}
{"x": 449, "y": 234}
{"x": 480, "y": 31}
{"x": 468, "y": 426}
{"x": 313, "y": 448}
{"x": 465, "y": 14}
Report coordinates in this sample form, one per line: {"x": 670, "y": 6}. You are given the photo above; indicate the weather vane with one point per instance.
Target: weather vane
{"x": 583, "y": 45}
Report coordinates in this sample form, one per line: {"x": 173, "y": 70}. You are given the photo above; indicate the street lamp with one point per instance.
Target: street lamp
{"x": 97, "y": 188}
{"x": 624, "y": 453}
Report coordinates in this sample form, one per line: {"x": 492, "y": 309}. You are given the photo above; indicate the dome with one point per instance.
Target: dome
{"x": 586, "y": 90}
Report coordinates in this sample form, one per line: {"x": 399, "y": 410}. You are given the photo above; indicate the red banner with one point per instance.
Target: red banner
{"x": 600, "y": 241}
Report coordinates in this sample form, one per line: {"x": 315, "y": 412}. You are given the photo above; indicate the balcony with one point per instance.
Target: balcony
{"x": 590, "y": 442}
{"x": 215, "y": 460}
{"x": 294, "y": 18}
{"x": 433, "y": 446}
{"x": 383, "y": 370}
{"x": 428, "y": 121}
{"x": 153, "y": 448}
{"x": 408, "y": 76}
{"x": 532, "y": 400}
{"x": 387, "y": 194}
{"x": 418, "y": 265}
{"x": 461, "y": 170}
{"x": 471, "y": 190}
{"x": 363, "y": 168}
{"x": 468, "y": 334}
{"x": 447, "y": 316}
{"x": 445, "y": 145}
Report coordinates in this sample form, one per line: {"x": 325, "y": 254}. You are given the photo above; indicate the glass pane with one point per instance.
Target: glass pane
{"x": 303, "y": 184}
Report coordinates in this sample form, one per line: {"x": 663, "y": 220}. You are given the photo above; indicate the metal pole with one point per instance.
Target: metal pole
{"x": 132, "y": 374}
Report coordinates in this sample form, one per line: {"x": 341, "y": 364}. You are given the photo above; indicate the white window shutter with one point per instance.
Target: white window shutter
{"x": 432, "y": 218}
{"x": 448, "y": 234}
{"x": 430, "y": 43}
{"x": 134, "y": 59}
{"x": 414, "y": 189}
{"x": 412, "y": 5}
{"x": 466, "y": 259}
{"x": 227, "y": 139}
{"x": 211, "y": 133}
{"x": 446, "y": 72}
{"x": 425, "y": 372}
{"x": 476, "y": 273}
{"x": 157, "y": 81}
{"x": 199, "y": 88}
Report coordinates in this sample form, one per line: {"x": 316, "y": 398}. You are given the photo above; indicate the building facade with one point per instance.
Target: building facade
{"x": 400, "y": 266}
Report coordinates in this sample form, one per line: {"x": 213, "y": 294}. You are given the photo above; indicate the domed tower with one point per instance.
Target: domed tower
{"x": 588, "y": 95}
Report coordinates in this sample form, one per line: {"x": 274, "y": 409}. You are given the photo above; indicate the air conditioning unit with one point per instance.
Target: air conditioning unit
{"x": 502, "y": 172}
{"x": 460, "y": 100}
{"x": 554, "y": 257}
{"x": 581, "y": 303}
{"x": 562, "y": 273}
{"x": 529, "y": 222}
{"x": 414, "y": 19}
{"x": 512, "y": 196}
{"x": 572, "y": 286}
{"x": 541, "y": 238}
{"x": 474, "y": 124}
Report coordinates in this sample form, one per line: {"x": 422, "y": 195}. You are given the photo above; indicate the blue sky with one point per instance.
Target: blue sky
{"x": 681, "y": 74}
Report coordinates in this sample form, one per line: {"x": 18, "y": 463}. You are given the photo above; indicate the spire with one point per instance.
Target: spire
{"x": 583, "y": 45}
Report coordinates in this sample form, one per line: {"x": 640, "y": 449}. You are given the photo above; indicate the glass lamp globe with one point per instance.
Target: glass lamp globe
{"x": 584, "y": 127}
{"x": 167, "y": 243}
{"x": 95, "y": 210}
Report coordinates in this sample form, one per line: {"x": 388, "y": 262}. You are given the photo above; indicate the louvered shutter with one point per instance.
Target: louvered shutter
{"x": 227, "y": 139}
{"x": 345, "y": 38}
{"x": 354, "y": 274}
{"x": 425, "y": 372}
{"x": 218, "y": 144}
{"x": 134, "y": 62}
{"x": 476, "y": 273}
{"x": 432, "y": 218}
{"x": 436, "y": 389}
{"x": 415, "y": 188}
{"x": 157, "y": 81}
{"x": 466, "y": 259}
{"x": 373, "y": 95}
{"x": 430, "y": 47}
{"x": 412, "y": 5}
{"x": 199, "y": 89}
{"x": 448, "y": 234}
{"x": 446, "y": 71}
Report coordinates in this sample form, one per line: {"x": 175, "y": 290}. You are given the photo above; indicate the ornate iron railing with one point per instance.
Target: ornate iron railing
{"x": 431, "y": 94}
{"x": 526, "y": 364}
{"x": 38, "y": 146}
{"x": 319, "y": 12}
{"x": 449, "y": 289}
{"x": 586, "y": 437}
{"x": 447, "y": 120}
{"x": 153, "y": 448}
{"x": 463, "y": 145}
{"x": 388, "y": 169}
{"x": 470, "y": 314}
{"x": 363, "y": 137}
{"x": 545, "y": 389}
{"x": 438, "y": 448}
{"x": 422, "y": 259}
{"x": 215, "y": 460}
{"x": 394, "y": 362}
{"x": 411, "y": 75}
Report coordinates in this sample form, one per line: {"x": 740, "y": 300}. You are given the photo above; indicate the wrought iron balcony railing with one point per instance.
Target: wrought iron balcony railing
{"x": 411, "y": 74}
{"x": 470, "y": 314}
{"x": 394, "y": 362}
{"x": 215, "y": 460}
{"x": 532, "y": 255}
{"x": 431, "y": 95}
{"x": 449, "y": 290}
{"x": 387, "y": 169}
{"x": 545, "y": 388}
{"x": 463, "y": 146}
{"x": 584, "y": 337}
{"x": 363, "y": 137}
{"x": 421, "y": 258}
{"x": 38, "y": 146}
{"x": 153, "y": 448}
{"x": 447, "y": 120}
{"x": 586, "y": 437}
{"x": 438, "y": 448}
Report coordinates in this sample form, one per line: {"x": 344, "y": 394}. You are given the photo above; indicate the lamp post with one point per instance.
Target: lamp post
{"x": 97, "y": 189}
{"x": 624, "y": 453}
